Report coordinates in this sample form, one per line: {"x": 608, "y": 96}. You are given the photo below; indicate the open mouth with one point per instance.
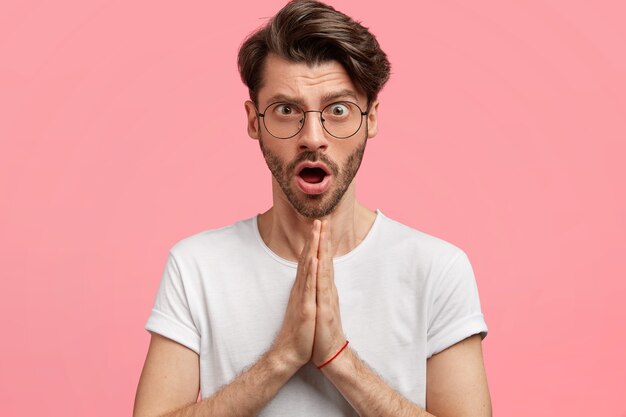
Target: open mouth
{"x": 312, "y": 175}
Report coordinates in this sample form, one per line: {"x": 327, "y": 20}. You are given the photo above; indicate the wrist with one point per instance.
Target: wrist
{"x": 342, "y": 365}
{"x": 332, "y": 358}
{"x": 284, "y": 362}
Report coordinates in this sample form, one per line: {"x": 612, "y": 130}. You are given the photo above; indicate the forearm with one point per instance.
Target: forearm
{"x": 247, "y": 394}
{"x": 368, "y": 394}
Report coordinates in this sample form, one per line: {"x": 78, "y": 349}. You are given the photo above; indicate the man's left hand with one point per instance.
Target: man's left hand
{"x": 329, "y": 337}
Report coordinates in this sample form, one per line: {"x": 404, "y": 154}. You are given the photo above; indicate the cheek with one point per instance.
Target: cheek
{"x": 348, "y": 154}
{"x": 353, "y": 160}
{"x": 277, "y": 154}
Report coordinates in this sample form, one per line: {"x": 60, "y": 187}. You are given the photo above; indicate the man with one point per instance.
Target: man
{"x": 319, "y": 306}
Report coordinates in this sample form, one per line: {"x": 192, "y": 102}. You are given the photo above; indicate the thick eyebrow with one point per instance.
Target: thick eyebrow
{"x": 284, "y": 98}
{"x": 339, "y": 94}
{"x": 325, "y": 98}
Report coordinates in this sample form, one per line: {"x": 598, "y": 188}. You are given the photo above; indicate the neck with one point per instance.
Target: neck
{"x": 284, "y": 230}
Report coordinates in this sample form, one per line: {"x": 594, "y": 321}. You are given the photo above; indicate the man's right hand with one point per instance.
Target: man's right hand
{"x": 294, "y": 342}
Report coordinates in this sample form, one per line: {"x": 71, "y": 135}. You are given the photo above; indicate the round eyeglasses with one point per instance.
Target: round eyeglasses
{"x": 341, "y": 120}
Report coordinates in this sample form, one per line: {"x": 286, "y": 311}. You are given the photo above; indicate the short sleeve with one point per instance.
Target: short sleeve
{"x": 171, "y": 316}
{"x": 455, "y": 312}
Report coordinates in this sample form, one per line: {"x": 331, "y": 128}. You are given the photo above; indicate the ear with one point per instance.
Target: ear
{"x": 253, "y": 120}
{"x": 372, "y": 120}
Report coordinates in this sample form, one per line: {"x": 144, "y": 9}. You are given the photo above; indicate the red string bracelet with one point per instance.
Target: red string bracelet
{"x": 336, "y": 354}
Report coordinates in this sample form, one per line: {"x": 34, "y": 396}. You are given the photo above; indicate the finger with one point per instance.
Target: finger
{"x": 304, "y": 268}
{"x": 326, "y": 242}
{"x": 309, "y": 247}
{"x": 312, "y": 263}
{"x": 315, "y": 238}
{"x": 313, "y": 249}
{"x": 325, "y": 278}
{"x": 311, "y": 278}
{"x": 326, "y": 248}
{"x": 308, "y": 252}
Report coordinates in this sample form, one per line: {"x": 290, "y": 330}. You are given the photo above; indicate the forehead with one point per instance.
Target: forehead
{"x": 308, "y": 84}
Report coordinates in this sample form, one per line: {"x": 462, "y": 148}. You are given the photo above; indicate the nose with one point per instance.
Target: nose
{"x": 312, "y": 137}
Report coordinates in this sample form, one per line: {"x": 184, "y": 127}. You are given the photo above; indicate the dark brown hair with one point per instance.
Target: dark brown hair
{"x": 313, "y": 32}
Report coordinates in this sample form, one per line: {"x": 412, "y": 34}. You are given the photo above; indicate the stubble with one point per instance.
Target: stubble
{"x": 314, "y": 205}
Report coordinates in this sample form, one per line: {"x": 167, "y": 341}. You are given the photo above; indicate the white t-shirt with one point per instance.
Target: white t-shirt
{"x": 404, "y": 295}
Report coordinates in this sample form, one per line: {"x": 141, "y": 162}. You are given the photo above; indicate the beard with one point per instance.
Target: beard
{"x": 314, "y": 205}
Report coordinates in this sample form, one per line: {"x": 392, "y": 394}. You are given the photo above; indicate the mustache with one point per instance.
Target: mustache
{"x": 314, "y": 157}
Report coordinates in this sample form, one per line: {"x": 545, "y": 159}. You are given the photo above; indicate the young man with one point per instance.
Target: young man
{"x": 319, "y": 306}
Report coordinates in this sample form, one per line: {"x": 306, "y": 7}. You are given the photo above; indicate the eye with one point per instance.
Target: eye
{"x": 338, "y": 110}
{"x": 285, "y": 109}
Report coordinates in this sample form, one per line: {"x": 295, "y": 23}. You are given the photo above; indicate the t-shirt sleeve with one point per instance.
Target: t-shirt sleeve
{"x": 171, "y": 316}
{"x": 455, "y": 312}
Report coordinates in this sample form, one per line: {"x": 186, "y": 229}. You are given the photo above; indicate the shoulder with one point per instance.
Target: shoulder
{"x": 215, "y": 242}
{"x": 400, "y": 237}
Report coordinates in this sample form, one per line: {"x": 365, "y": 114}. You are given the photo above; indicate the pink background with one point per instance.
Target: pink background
{"x": 122, "y": 130}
